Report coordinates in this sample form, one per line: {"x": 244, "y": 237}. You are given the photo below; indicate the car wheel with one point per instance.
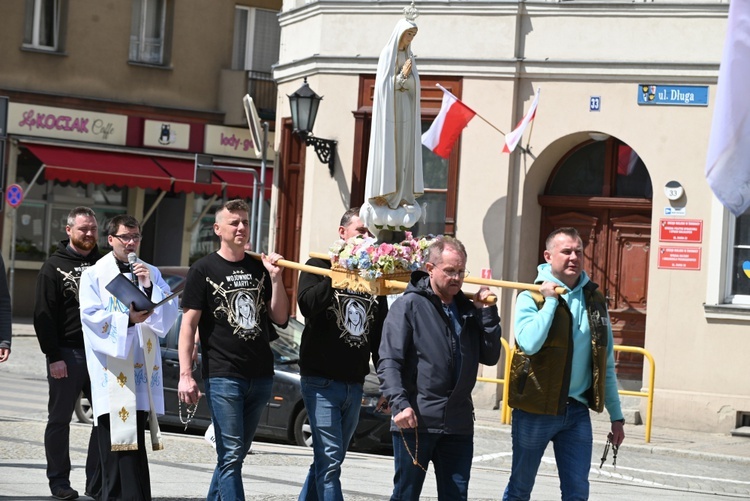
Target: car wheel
{"x": 302, "y": 431}
{"x": 83, "y": 410}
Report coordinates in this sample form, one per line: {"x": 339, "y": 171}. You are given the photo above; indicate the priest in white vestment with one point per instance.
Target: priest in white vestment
{"x": 124, "y": 361}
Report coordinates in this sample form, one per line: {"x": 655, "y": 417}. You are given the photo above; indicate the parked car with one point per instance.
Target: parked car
{"x": 285, "y": 417}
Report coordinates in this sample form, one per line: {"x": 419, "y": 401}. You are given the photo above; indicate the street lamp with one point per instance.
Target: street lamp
{"x": 304, "y": 104}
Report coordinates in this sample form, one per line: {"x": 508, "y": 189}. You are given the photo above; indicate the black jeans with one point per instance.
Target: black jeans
{"x": 63, "y": 394}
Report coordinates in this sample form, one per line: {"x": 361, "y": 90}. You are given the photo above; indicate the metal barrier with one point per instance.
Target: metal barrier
{"x": 648, "y": 394}
{"x": 505, "y": 409}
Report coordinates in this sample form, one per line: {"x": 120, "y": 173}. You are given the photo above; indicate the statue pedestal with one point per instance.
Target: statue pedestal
{"x": 391, "y": 283}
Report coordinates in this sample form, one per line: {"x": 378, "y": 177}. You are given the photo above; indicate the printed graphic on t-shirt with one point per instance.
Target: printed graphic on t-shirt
{"x": 240, "y": 301}
{"x": 354, "y": 314}
{"x": 71, "y": 280}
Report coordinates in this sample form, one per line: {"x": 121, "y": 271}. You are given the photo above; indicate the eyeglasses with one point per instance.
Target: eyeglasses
{"x": 606, "y": 450}
{"x": 451, "y": 273}
{"x": 129, "y": 238}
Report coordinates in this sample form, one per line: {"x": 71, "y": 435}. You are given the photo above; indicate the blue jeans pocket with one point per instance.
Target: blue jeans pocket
{"x": 316, "y": 382}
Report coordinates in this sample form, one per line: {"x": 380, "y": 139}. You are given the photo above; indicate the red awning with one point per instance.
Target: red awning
{"x": 126, "y": 169}
{"x": 239, "y": 184}
{"x": 100, "y": 167}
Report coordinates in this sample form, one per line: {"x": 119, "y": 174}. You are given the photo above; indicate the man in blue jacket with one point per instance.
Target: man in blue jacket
{"x": 564, "y": 364}
{"x": 433, "y": 340}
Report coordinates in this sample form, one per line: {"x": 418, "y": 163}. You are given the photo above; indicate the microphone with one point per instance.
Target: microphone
{"x": 132, "y": 259}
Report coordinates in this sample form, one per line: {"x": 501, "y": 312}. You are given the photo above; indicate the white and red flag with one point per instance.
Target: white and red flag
{"x": 728, "y": 159}
{"x": 445, "y": 130}
{"x": 513, "y": 137}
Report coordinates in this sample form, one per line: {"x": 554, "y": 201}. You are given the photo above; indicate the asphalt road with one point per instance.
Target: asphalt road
{"x": 277, "y": 471}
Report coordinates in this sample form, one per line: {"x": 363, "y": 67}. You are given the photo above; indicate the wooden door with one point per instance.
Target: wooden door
{"x": 616, "y": 257}
{"x": 289, "y": 221}
{"x": 627, "y": 288}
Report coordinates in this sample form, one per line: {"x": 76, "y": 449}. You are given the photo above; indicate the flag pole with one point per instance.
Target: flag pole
{"x": 489, "y": 123}
{"x": 525, "y": 150}
{"x": 528, "y": 140}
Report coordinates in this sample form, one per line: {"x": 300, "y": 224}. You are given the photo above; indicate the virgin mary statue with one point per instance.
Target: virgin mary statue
{"x": 394, "y": 164}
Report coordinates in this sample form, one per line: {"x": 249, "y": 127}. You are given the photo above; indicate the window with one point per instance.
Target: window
{"x": 42, "y": 24}
{"x": 203, "y": 240}
{"x": 440, "y": 175}
{"x": 255, "y": 50}
{"x": 433, "y": 202}
{"x": 42, "y": 217}
{"x": 738, "y": 261}
{"x": 608, "y": 168}
{"x": 256, "y": 39}
{"x": 147, "y": 29}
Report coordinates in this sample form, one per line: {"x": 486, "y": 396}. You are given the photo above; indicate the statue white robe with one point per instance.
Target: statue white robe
{"x": 394, "y": 163}
{"x": 124, "y": 363}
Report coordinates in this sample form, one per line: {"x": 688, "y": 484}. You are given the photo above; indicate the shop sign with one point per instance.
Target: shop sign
{"x": 159, "y": 134}
{"x": 680, "y": 258}
{"x": 673, "y": 95}
{"x": 681, "y": 230}
{"x": 68, "y": 124}
{"x": 233, "y": 142}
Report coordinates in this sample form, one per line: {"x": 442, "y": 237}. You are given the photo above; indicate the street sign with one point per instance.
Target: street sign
{"x": 253, "y": 123}
{"x": 14, "y": 195}
{"x": 203, "y": 169}
{"x": 681, "y": 230}
{"x": 680, "y": 258}
{"x": 595, "y": 103}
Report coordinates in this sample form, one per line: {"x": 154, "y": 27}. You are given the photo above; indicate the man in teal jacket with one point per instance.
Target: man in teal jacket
{"x": 563, "y": 365}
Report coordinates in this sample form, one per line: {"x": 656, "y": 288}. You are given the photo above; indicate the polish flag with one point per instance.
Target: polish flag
{"x": 514, "y": 136}
{"x": 444, "y": 131}
{"x": 728, "y": 159}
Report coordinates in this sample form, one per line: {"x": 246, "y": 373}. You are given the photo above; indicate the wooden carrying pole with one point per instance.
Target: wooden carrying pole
{"x": 490, "y": 282}
{"x": 351, "y": 279}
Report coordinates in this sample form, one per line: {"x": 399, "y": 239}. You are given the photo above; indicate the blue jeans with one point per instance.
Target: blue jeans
{"x": 333, "y": 409}
{"x": 571, "y": 437}
{"x": 236, "y": 405}
{"x": 450, "y": 455}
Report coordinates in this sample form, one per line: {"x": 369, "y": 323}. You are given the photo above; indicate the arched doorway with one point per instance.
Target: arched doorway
{"x": 603, "y": 189}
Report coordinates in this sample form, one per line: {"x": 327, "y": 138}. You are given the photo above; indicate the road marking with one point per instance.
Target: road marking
{"x": 668, "y": 474}
{"x": 490, "y": 457}
{"x": 615, "y": 474}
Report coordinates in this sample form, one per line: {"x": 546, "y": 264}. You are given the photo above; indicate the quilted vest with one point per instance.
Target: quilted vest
{"x": 539, "y": 383}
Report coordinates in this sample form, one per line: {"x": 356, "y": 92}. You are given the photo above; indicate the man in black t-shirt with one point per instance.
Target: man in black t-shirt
{"x": 342, "y": 330}
{"x": 231, "y": 298}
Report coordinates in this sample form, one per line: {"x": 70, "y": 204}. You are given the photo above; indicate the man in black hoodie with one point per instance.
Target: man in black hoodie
{"x": 57, "y": 323}
{"x": 342, "y": 330}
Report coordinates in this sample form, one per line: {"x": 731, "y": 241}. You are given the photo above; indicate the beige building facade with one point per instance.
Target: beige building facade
{"x": 617, "y": 150}
{"x": 108, "y": 103}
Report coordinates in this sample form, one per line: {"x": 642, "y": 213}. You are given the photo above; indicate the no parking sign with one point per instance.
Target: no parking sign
{"x": 14, "y": 195}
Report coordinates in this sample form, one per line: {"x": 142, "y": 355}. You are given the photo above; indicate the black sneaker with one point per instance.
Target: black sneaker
{"x": 62, "y": 492}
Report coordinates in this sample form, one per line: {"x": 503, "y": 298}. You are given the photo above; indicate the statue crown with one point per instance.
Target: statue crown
{"x": 411, "y": 12}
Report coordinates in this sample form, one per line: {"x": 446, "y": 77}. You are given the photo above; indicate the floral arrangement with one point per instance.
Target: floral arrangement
{"x": 372, "y": 260}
